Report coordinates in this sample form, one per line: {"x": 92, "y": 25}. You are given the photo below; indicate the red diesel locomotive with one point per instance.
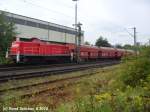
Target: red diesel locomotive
{"x": 37, "y": 50}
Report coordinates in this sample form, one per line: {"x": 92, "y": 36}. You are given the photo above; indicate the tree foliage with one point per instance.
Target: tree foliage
{"x": 136, "y": 70}
{"x": 102, "y": 42}
{"x": 128, "y": 46}
{"x": 7, "y": 34}
{"x": 87, "y": 43}
{"x": 119, "y": 46}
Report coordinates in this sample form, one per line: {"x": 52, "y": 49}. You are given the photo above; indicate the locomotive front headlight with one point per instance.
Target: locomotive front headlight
{"x": 15, "y": 45}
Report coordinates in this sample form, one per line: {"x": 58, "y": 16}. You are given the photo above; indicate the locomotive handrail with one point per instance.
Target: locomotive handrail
{"x": 31, "y": 50}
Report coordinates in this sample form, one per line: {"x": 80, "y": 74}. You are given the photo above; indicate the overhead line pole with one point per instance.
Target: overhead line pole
{"x": 135, "y": 39}
{"x": 135, "y": 43}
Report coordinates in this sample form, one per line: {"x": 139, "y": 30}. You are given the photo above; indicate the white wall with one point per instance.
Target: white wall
{"x": 30, "y": 32}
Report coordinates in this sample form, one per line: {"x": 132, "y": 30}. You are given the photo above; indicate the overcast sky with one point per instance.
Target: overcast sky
{"x": 109, "y": 18}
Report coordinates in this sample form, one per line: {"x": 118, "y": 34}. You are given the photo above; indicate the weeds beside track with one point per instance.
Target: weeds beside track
{"x": 70, "y": 79}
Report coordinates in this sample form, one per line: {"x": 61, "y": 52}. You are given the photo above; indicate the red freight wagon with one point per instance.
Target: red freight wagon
{"x": 86, "y": 52}
{"x": 129, "y": 52}
{"x": 106, "y": 52}
{"x": 121, "y": 53}
{"x": 89, "y": 52}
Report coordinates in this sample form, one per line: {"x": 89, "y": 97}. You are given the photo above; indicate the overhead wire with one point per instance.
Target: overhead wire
{"x": 128, "y": 32}
{"x": 4, "y": 9}
{"x": 53, "y": 11}
{"x": 61, "y": 3}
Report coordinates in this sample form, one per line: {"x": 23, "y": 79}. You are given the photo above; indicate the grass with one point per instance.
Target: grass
{"x": 123, "y": 89}
{"x": 105, "y": 92}
{"x": 58, "y": 96}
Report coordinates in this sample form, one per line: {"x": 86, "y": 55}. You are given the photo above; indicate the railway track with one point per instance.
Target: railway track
{"x": 42, "y": 83}
{"x": 13, "y": 67}
{"x": 30, "y": 73}
{"x": 24, "y": 67}
{"x": 3, "y": 91}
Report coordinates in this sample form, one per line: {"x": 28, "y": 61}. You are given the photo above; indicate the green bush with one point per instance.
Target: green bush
{"x": 129, "y": 92}
{"x": 106, "y": 102}
{"x": 136, "y": 71}
{"x": 3, "y": 60}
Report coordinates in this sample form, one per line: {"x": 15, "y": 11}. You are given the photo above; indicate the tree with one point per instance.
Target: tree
{"x": 119, "y": 46}
{"x": 87, "y": 43}
{"x": 102, "y": 42}
{"x": 128, "y": 46}
{"x": 7, "y": 34}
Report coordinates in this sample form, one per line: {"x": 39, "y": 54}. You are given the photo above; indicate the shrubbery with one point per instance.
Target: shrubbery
{"x": 129, "y": 91}
{"x": 106, "y": 102}
{"x": 7, "y": 34}
{"x": 137, "y": 70}
{"x": 3, "y": 60}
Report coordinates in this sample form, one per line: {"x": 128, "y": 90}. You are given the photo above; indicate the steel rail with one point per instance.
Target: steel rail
{"x": 42, "y": 83}
{"x": 23, "y": 67}
{"x": 50, "y": 71}
{"x": 13, "y": 67}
